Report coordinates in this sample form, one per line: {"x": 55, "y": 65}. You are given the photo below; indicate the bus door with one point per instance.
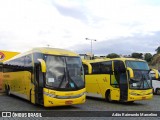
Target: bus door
{"x": 39, "y": 84}
{"x": 115, "y": 92}
{"x": 121, "y": 79}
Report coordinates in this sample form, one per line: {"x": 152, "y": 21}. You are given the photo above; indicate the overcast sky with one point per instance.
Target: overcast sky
{"x": 119, "y": 26}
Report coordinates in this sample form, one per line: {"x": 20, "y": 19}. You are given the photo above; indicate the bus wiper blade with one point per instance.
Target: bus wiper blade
{"x": 64, "y": 76}
{"x": 71, "y": 80}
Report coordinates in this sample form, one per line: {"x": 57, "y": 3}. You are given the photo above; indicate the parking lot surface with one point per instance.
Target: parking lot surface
{"x": 92, "y": 106}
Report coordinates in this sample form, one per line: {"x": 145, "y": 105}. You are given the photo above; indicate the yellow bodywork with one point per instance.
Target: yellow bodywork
{"x": 134, "y": 95}
{"x": 98, "y": 84}
{"x": 5, "y": 55}
{"x": 58, "y": 98}
{"x": 19, "y": 83}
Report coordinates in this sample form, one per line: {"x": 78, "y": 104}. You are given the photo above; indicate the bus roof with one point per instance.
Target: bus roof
{"x": 47, "y": 50}
{"x": 109, "y": 59}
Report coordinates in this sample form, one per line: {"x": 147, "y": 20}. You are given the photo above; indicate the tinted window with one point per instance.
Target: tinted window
{"x": 85, "y": 69}
{"x": 106, "y": 67}
{"x": 28, "y": 61}
{"x": 95, "y": 68}
{"x": 138, "y": 65}
{"x": 119, "y": 66}
{"x": 102, "y": 67}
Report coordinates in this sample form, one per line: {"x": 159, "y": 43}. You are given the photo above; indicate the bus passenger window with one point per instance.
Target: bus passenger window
{"x": 28, "y": 61}
{"x": 106, "y": 67}
{"x": 95, "y": 68}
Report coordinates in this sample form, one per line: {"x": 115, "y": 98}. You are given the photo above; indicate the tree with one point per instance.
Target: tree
{"x": 158, "y": 50}
{"x": 112, "y": 55}
{"x": 148, "y": 57}
{"x": 156, "y": 59}
{"x": 137, "y": 55}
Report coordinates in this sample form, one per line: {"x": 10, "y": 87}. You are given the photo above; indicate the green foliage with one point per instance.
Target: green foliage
{"x": 112, "y": 55}
{"x": 158, "y": 50}
{"x": 137, "y": 55}
{"x": 148, "y": 57}
{"x": 156, "y": 60}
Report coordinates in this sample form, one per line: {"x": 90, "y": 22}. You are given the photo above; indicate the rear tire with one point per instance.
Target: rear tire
{"x": 7, "y": 90}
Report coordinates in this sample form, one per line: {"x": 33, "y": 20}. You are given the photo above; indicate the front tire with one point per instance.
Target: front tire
{"x": 108, "y": 96}
{"x": 157, "y": 91}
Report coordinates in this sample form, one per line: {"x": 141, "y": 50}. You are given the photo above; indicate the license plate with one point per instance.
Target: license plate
{"x": 68, "y": 102}
{"x": 143, "y": 98}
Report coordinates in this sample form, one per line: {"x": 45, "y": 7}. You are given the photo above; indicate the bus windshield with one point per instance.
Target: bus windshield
{"x": 64, "y": 73}
{"x": 139, "y": 65}
{"x": 141, "y": 78}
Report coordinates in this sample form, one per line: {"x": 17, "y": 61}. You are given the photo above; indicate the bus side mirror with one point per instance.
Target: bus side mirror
{"x": 89, "y": 67}
{"x": 156, "y": 73}
{"x": 131, "y": 74}
{"x": 43, "y": 65}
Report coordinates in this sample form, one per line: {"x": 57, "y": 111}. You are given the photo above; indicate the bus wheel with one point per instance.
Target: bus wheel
{"x": 158, "y": 91}
{"x": 6, "y": 89}
{"x": 108, "y": 96}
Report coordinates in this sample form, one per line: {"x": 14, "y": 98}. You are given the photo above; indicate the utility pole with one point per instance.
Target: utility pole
{"x": 91, "y": 43}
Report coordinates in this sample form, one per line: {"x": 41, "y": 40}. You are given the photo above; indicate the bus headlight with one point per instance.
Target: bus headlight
{"x": 64, "y": 97}
{"x": 149, "y": 93}
{"x": 136, "y": 94}
{"x": 49, "y": 95}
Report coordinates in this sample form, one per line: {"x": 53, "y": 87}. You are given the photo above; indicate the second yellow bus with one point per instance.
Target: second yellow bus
{"x": 121, "y": 79}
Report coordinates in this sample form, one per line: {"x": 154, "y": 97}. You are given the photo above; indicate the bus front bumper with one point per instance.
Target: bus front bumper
{"x": 140, "y": 95}
{"x": 64, "y": 98}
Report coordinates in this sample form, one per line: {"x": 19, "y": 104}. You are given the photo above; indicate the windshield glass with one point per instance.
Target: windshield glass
{"x": 141, "y": 78}
{"x": 139, "y": 65}
{"x": 64, "y": 73}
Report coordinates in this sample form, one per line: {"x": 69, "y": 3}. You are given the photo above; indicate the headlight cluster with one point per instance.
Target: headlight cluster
{"x": 50, "y": 95}
{"x": 63, "y": 97}
{"x": 136, "y": 94}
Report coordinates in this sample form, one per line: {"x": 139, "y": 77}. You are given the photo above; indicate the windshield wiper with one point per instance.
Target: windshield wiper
{"x": 70, "y": 79}
{"x": 64, "y": 76}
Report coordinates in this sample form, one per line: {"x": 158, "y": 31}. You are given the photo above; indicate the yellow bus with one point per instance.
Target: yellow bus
{"x": 46, "y": 76}
{"x": 119, "y": 79}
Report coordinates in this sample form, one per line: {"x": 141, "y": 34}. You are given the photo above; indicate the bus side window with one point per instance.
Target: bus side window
{"x": 21, "y": 61}
{"x": 106, "y": 67}
{"x": 95, "y": 68}
{"x": 28, "y": 61}
{"x": 85, "y": 69}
